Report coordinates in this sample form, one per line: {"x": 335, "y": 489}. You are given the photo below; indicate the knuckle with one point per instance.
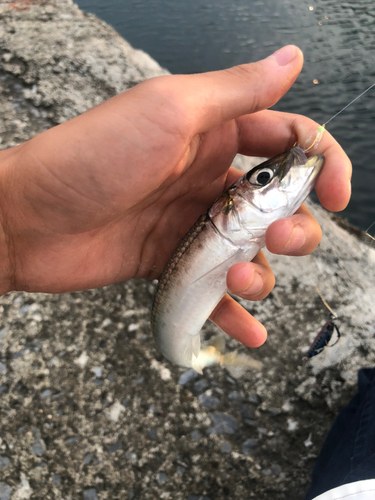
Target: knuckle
{"x": 165, "y": 96}
{"x": 267, "y": 289}
{"x": 219, "y": 309}
{"x": 253, "y": 74}
{"x": 245, "y": 70}
{"x": 269, "y": 284}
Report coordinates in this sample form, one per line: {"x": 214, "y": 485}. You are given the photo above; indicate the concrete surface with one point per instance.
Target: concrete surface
{"x": 88, "y": 407}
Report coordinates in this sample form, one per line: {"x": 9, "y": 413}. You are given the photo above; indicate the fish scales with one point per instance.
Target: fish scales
{"x": 198, "y": 265}
{"x": 173, "y": 262}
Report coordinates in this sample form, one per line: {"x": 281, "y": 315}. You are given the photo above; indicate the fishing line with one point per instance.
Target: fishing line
{"x": 309, "y": 146}
{"x": 367, "y": 232}
{"x": 345, "y": 107}
{"x": 334, "y": 315}
{"x": 325, "y": 333}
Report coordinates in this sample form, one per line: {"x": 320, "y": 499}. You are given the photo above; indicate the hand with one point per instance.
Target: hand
{"x": 107, "y": 196}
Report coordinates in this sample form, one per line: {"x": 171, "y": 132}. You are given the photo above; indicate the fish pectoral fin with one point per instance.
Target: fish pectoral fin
{"x": 195, "y": 364}
{"x": 218, "y": 343}
{"x": 220, "y": 268}
{"x": 196, "y": 345}
{"x": 208, "y": 356}
{"x": 240, "y": 360}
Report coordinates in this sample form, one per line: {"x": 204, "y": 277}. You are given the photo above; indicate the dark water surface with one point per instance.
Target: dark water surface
{"x": 337, "y": 38}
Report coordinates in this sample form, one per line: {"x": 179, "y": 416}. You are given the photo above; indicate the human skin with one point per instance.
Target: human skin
{"x": 107, "y": 196}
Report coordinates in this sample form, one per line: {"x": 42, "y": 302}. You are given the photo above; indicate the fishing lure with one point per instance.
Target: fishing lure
{"x": 324, "y": 336}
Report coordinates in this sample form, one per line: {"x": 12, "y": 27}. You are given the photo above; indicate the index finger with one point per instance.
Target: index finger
{"x": 268, "y": 133}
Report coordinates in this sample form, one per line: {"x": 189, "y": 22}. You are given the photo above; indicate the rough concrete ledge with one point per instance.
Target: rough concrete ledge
{"x": 88, "y": 408}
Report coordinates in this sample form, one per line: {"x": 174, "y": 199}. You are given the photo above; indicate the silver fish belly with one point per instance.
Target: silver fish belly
{"x": 233, "y": 230}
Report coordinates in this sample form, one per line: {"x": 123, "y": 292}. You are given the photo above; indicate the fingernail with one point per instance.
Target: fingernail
{"x": 296, "y": 241}
{"x": 285, "y": 55}
{"x": 255, "y": 286}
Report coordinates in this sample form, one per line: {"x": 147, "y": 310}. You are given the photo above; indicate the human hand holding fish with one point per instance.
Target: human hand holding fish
{"x": 109, "y": 195}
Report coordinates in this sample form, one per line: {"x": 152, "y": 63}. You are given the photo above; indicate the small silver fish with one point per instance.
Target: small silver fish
{"x": 233, "y": 230}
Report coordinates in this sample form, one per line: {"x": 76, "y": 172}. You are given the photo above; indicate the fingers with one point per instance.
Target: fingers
{"x": 238, "y": 323}
{"x": 268, "y": 133}
{"x": 216, "y": 97}
{"x": 299, "y": 234}
{"x": 333, "y": 186}
{"x": 295, "y": 235}
{"x": 251, "y": 280}
{"x": 246, "y": 88}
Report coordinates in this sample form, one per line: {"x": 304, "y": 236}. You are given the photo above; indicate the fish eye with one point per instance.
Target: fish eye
{"x": 261, "y": 177}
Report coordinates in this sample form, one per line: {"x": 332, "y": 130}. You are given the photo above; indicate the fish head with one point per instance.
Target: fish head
{"x": 274, "y": 189}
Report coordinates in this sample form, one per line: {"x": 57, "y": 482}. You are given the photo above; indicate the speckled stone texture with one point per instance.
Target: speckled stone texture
{"x": 88, "y": 408}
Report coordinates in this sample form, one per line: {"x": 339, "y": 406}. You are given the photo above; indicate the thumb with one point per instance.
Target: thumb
{"x": 219, "y": 96}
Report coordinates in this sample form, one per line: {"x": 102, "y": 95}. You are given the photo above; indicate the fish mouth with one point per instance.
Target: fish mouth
{"x": 296, "y": 158}
{"x": 299, "y": 175}
{"x": 316, "y": 162}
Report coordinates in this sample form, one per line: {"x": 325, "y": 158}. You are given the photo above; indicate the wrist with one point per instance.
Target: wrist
{"x": 7, "y": 266}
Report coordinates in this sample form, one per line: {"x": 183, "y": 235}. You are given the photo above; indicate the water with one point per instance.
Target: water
{"x": 337, "y": 38}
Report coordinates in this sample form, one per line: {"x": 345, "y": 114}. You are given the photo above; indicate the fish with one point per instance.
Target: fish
{"x": 231, "y": 231}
